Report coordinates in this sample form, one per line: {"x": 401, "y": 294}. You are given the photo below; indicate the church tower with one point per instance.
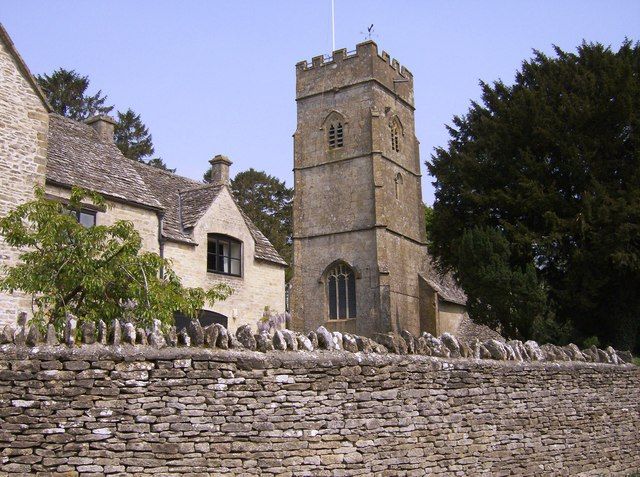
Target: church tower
{"x": 359, "y": 238}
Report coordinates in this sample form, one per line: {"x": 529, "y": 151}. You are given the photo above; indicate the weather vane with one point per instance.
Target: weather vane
{"x": 370, "y": 33}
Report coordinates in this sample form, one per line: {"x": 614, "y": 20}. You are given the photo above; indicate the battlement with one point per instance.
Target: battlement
{"x": 344, "y": 68}
{"x": 367, "y": 49}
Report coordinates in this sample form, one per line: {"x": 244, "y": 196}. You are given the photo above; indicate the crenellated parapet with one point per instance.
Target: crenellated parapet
{"x": 362, "y": 49}
{"x": 348, "y": 68}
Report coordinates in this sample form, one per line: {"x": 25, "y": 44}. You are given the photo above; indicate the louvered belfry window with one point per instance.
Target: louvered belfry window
{"x": 336, "y": 136}
{"x": 341, "y": 292}
{"x": 395, "y": 136}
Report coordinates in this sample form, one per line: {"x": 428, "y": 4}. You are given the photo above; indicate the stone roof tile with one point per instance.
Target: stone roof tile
{"x": 195, "y": 202}
{"x": 77, "y": 157}
{"x": 443, "y": 283}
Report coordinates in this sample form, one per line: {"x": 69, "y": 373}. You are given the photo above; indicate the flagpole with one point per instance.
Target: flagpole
{"x": 333, "y": 26}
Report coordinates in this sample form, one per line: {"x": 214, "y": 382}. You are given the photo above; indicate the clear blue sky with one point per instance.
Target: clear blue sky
{"x": 218, "y": 77}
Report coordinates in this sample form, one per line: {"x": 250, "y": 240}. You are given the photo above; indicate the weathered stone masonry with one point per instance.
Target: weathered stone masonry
{"x": 136, "y": 410}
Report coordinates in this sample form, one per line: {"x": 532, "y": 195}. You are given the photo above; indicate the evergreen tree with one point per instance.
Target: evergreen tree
{"x": 428, "y": 219}
{"x": 159, "y": 163}
{"x": 269, "y": 204}
{"x": 134, "y": 141}
{"x": 132, "y": 136}
{"x": 551, "y": 166}
{"x": 66, "y": 91}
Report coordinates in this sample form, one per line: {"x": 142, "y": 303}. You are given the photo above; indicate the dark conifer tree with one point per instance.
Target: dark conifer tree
{"x": 66, "y": 91}
{"x": 132, "y": 136}
{"x": 268, "y": 203}
{"x": 543, "y": 178}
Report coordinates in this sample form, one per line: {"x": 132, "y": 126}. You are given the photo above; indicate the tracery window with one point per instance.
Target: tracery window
{"x": 341, "y": 292}
{"x": 336, "y": 135}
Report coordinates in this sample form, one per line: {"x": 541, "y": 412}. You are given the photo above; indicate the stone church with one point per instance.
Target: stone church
{"x": 360, "y": 260}
{"x": 199, "y": 227}
{"x": 361, "y": 263}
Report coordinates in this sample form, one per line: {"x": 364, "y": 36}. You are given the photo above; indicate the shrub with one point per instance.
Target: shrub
{"x": 98, "y": 272}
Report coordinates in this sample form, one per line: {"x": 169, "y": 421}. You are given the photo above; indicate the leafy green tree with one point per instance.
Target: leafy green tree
{"x": 66, "y": 91}
{"x": 95, "y": 273}
{"x": 269, "y": 204}
{"x": 551, "y": 164}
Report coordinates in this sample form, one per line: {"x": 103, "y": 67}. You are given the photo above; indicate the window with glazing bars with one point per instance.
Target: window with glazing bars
{"x": 224, "y": 255}
{"x": 336, "y": 136}
{"x": 341, "y": 292}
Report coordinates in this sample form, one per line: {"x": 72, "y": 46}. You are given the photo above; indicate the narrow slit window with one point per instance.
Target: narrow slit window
{"x": 332, "y": 137}
{"x": 398, "y": 184}
{"x": 339, "y": 136}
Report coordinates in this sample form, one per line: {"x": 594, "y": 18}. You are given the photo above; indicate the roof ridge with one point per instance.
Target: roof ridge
{"x": 169, "y": 173}
{"x": 138, "y": 163}
{"x": 200, "y": 187}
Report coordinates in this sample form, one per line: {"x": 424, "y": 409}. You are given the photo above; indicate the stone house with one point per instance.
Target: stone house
{"x": 360, "y": 258}
{"x": 199, "y": 227}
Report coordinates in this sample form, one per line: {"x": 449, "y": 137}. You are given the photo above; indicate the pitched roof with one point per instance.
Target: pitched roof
{"x": 469, "y": 331}
{"x": 264, "y": 249}
{"x": 77, "y": 157}
{"x": 443, "y": 283}
{"x": 195, "y": 202}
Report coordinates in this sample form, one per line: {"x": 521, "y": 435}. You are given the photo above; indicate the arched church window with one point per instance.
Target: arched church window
{"x": 336, "y": 135}
{"x": 341, "y": 292}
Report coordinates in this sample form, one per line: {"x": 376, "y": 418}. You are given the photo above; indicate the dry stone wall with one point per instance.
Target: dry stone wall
{"x": 164, "y": 407}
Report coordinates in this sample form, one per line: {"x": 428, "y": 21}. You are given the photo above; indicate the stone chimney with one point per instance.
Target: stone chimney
{"x": 220, "y": 170}
{"x": 104, "y": 126}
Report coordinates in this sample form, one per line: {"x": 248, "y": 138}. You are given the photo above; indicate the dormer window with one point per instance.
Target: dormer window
{"x": 336, "y": 135}
{"x": 224, "y": 255}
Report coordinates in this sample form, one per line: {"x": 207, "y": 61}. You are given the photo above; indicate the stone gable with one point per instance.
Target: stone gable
{"x": 23, "y": 144}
